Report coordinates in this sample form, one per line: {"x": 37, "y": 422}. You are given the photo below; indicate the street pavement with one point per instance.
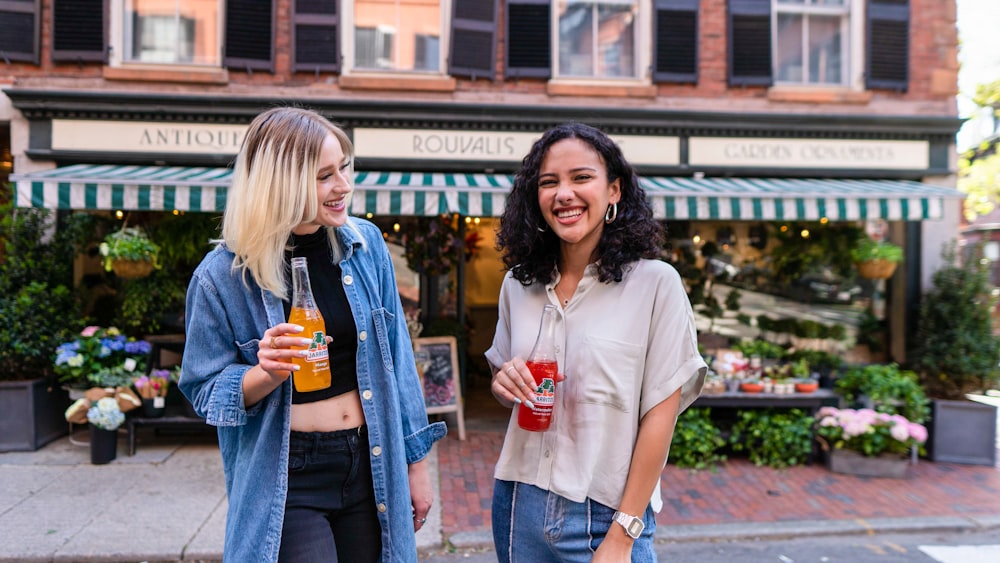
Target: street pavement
{"x": 167, "y": 502}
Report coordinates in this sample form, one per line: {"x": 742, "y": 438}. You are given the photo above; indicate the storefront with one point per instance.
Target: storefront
{"x": 159, "y": 152}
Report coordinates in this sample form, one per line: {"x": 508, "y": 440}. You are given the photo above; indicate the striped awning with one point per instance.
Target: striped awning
{"x": 161, "y": 188}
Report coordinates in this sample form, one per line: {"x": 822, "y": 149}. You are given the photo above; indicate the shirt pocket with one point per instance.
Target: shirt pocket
{"x": 248, "y": 351}
{"x": 383, "y": 321}
{"x": 609, "y": 371}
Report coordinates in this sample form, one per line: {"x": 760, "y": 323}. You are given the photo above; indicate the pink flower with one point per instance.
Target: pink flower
{"x": 90, "y": 331}
{"x": 918, "y": 432}
{"x": 900, "y": 432}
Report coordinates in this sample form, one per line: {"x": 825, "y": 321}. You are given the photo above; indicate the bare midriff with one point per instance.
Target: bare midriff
{"x": 336, "y": 413}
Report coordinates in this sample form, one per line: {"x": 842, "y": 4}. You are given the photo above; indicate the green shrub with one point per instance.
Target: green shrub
{"x": 762, "y": 348}
{"x": 890, "y": 390}
{"x": 772, "y": 437}
{"x": 697, "y": 440}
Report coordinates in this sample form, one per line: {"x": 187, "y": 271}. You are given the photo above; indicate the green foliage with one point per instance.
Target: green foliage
{"x": 891, "y": 390}
{"x": 697, "y": 440}
{"x": 819, "y": 360}
{"x": 129, "y": 243}
{"x": 978, "y": 179}
{"x": 868, "y": 249}
{"x": 772, "y": 437}
{"x": 712, "y": 310}
{"x": 38, "y": 308}
{"x": 871, "y": 331}
{"x": 762, "y": 348}
{"x": 955, "y": 349}
{"x": 184, "y": 240}
{"x": 828, "y": 245}
{"x": 145, "y": 301}
{"x": 733, "y": 300}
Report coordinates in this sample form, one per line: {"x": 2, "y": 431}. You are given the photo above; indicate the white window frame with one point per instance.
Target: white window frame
{"x": 116, "y": 29}
{"x": 853, "y": 27}
{"x": 643, "y": 51}
{"x": 347, "y": 39}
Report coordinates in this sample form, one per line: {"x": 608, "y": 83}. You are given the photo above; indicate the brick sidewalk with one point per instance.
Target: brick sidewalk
{"x": 737, "y": 491}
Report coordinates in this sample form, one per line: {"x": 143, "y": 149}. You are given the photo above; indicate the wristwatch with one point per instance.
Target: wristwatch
{"x": 633, "y": 524}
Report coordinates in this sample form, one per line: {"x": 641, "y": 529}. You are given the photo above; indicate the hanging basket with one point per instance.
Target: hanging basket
{"x": 877, "y": 269}
{"x": 131, "y": 269}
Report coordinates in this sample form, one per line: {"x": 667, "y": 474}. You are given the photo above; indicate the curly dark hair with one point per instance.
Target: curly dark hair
{"x": 530, "y": 249}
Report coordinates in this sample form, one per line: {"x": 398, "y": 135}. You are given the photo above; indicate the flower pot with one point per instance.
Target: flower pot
{"x": 852, "y": 463}
{"x": 806, "y": 386}
{"x": 154, "y": 407}
{"x": 751, "y": 387}
{"x": 131, "y": 269}
{"x": 877, "y": 269}
{"x": 103, "y": 445}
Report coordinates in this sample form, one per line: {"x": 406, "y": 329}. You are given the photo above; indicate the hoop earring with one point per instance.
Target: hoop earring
{"x": 611, "y": 214}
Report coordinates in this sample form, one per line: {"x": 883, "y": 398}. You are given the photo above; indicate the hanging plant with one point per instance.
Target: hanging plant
{"x": 432, "y": 246}
{"x": 130, "y": 253}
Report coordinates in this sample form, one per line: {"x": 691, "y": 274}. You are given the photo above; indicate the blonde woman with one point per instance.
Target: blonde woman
{"x": 337, "y": 473}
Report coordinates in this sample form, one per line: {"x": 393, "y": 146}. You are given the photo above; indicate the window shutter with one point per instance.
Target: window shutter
{"x": 473, "y": 38}
{"x": 749, "y": 43}
{"x": 675, "y": 58}
{"x": 888, "y": 32}
{"x": 19, "y": 30}
{"x": 78, "y": 30}
{"x": 529, "y": 39}
{"x": 315, "y": 36}
{"x": 249, "y": 35}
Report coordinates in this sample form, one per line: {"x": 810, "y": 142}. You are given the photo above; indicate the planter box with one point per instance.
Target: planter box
{"x": 33, "y": 414}
{"x": 853, "y": 463}
{"x": 963, "y": 432}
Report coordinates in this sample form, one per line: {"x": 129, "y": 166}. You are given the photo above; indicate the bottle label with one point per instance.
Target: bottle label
{"x": 318, "y": 350}
{"x": 546, "y": 392}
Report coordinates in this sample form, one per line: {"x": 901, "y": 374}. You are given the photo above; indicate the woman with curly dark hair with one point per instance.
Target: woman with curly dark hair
{"x": 578, "y": 233}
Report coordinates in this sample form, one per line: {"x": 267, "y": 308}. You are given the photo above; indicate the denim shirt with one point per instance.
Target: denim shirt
{"x": 225, "y": 318}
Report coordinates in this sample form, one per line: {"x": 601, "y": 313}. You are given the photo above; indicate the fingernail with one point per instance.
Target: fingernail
{"x": 295, "y": 367}
{"x": 304, "y": 353}
{"x": 517, "y": 401}
{"x": 298, "y": 328}
{"x": 305, "y": 342}
{"x": 529, "y": 405}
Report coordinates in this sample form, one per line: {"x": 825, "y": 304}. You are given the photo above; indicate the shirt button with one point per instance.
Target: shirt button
{"x": 367, "y": 395}
{"x": 381, "y": 507}
{"x": 376, "y": 451}
{"x": 546, "y": 453}
{"x": 363, "y": 336}
{"x": 348, "y": 279}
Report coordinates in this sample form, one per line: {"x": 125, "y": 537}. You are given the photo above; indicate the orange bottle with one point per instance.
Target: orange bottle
{"x": 314, "y": 369}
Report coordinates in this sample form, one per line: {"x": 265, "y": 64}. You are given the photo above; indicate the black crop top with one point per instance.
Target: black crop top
{"x": 328, "y": 290}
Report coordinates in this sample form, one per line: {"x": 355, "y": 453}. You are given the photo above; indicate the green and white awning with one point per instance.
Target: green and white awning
{"x": 161, "y": 188}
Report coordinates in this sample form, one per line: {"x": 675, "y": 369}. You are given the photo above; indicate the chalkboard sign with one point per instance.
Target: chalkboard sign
{"x": 437, "y": 364}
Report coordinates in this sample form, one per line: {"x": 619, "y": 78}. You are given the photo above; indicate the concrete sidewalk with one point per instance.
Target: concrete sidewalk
{"x": 167, "y": 503}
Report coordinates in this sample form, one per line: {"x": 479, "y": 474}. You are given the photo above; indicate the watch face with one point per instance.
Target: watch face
{"x": 634, "y": 528}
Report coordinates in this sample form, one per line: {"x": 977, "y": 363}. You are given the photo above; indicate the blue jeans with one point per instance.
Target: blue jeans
{"x": 532, "y": 525}
{"x": 330, "y": 509}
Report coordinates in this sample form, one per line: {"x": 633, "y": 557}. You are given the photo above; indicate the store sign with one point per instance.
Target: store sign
{"x": 808, "y": 153}
{"x": 424, "y": 144}
{"x": 146, "y": 137}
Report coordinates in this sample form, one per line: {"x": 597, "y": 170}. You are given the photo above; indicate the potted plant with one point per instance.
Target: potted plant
{"x": 866, "y": 442}
{"x": 956, "y": 353}
{"x": 152, "y": 390}
{"x": 38, "y": 308}
{"x": 876, "y": 259}
{"x": 100, "y": 357}
{"x": 130, "y": 253}
{"x": 104, "y": 416}
{"x": 886, "y": 389}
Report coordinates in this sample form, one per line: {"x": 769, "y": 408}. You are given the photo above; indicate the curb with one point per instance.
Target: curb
{"x": 781, "y": 530}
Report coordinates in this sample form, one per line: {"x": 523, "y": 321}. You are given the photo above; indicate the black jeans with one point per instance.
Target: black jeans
{"x": 330, "y": 509}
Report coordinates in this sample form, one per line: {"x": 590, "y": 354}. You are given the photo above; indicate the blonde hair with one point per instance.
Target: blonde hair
{"x": 274, "y": 190}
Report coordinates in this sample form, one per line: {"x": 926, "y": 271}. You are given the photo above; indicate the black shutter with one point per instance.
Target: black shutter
{"x": 749, "y": 43}
{"x": 675, "y": 58}
{"x": 19, "y": 30}
{"x": 78, "y": 30}
{"x": 249, "y": 35}
{"x": 888, "y": 42}
{"x": 473, "y": 38}
{"x": 315, "y": 36}
{"x": 529, "y": 39}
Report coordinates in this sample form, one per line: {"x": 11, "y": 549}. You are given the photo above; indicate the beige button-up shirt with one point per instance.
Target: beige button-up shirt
{"x": 624, "y": 348}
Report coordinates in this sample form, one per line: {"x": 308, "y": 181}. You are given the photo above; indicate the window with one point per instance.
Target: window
{"x": 398, "y": 35}
{"x": 811, "y": 41}
{"x": 597, "y": 39}
{"x": 172, "y": 32}
{"x": 843, "y": 43}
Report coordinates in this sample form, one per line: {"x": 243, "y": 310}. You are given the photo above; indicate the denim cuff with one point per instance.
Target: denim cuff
{"x": 418, "y": 444}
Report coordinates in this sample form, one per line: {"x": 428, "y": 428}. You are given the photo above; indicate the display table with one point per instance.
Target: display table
{"x": 740, "y": 400}
{"x": 176, "y": 417}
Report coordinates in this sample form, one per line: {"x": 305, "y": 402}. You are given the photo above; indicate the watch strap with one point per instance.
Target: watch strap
{"x": 633, "y": 524}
